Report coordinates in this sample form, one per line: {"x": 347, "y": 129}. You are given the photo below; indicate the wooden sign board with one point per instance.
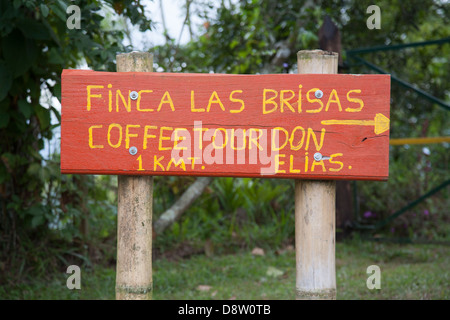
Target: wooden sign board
{"x": 309, "y": 126}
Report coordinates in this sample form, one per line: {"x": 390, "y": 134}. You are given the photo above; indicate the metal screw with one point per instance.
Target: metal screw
{"x": 317, "y": 156}
{"x": 134, "y": 95}
{"x": 133, "y": 151}
{"x": 318, "y": 94}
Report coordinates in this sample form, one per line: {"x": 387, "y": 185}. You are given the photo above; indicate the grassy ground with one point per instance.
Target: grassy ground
{"x": 407, "y": 272}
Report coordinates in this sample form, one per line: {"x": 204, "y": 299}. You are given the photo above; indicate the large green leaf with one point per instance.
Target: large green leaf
{"x": 59, "y": 9}
{"x": 33, "y": 29}
{"x": 44, "y": 10}
{"x": 25, "y": 108}
{"x": 43, "y": 115}
{"x": 56, "y": 91}
{"x": 3, "y": 173}
{"x": 54, "y": 57}
{"x": 5, "y": 80}
{"x": 19, "y": 53}
{"x": 4, "y": 119}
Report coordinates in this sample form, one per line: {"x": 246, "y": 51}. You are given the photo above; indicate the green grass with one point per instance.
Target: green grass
{"x": 407, "y": 272}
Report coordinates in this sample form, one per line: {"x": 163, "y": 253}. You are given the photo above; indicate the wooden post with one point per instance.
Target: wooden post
{"x": 315, "y": 211}
{"x": 134, "y": 214}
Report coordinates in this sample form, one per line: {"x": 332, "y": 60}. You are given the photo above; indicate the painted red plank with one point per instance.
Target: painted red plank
{"x": 226, "y": 125}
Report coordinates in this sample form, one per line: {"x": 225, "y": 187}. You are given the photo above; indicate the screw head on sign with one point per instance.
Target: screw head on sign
{"x": 318, "y": 94}
{"x": 317, "y": 156}
{"x": 134, "y": 95}
{"x": 133, "y": 151}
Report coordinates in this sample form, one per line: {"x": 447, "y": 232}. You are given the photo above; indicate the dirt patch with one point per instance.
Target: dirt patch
{"x": 181, "y": 251}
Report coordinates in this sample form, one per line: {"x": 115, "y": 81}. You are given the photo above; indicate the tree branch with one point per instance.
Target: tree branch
{"x": 181, "y": 205}
{"x": 163, "y": 19}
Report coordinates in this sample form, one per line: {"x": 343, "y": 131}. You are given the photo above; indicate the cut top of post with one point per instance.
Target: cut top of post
{"x": 135, "y": 61}
{"x": 320, "y": 61}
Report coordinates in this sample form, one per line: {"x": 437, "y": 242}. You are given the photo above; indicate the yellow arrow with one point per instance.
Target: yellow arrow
{"x": 380, "y": 123}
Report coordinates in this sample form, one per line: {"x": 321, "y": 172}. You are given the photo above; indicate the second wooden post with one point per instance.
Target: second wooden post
{"x": 315, "y": 211}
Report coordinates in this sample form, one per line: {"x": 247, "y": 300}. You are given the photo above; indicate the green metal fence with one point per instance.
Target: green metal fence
{"x": 354, "y": 59}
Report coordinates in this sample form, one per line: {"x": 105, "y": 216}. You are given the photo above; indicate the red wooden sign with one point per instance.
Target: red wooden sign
{"x": 309, "y": 126}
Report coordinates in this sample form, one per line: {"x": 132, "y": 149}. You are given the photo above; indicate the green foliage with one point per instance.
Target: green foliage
{"x": 414, "y": 169}
{"x": 234, "y": 213}
{"x": 35, "y": 45}
{"x": 244, "y": 37}
{"x": 415, "y": 175}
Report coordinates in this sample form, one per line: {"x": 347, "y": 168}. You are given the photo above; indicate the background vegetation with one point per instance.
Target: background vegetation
{"x": 49, "y": 220}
